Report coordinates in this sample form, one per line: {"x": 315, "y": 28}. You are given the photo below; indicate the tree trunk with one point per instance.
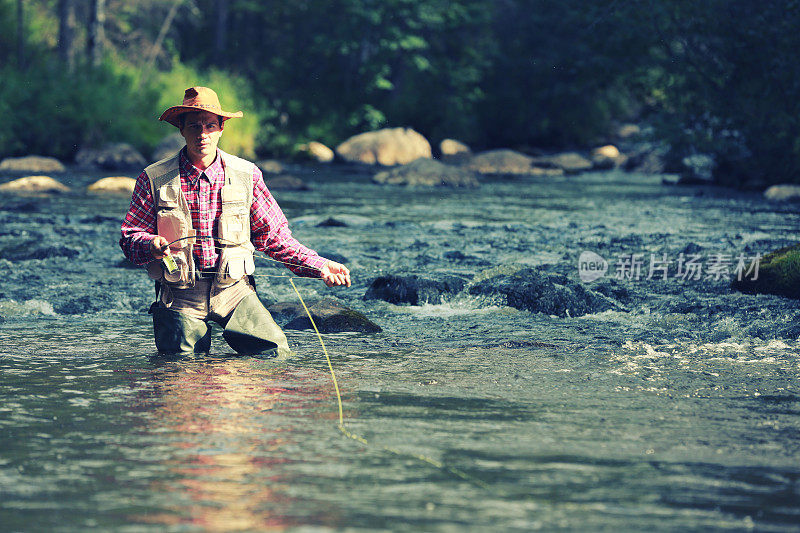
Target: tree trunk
{"x": 20, "y": 36}
{"x": 222, "y": 31}
{"x": 94, "y": 42}
{"x": 65, "y": 32}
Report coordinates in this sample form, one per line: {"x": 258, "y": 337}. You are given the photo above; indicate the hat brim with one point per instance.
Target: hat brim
{"x": 171, "y": 115}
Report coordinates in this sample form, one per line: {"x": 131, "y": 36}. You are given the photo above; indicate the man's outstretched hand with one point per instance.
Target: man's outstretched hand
{"x": 334, "y": 273}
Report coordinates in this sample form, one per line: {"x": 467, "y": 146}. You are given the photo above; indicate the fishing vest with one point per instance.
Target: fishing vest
{"x": 174, "y": 223}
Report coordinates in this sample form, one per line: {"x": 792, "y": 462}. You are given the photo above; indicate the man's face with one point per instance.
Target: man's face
{"x": 202, "y": 131}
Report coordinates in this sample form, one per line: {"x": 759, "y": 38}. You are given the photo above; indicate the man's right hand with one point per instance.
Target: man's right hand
{"x": 159, "y": 247}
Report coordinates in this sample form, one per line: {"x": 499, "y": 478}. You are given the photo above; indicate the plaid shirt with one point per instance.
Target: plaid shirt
{"x": 269, "y": 229}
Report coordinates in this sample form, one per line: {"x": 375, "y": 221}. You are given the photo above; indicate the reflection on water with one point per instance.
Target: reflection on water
{"x": 216, "y": 414}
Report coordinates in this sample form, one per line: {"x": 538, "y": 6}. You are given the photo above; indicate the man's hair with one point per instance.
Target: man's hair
{"x": 182, "y": 119}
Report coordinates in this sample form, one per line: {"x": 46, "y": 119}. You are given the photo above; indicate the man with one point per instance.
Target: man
{"x": 209, "y": 211}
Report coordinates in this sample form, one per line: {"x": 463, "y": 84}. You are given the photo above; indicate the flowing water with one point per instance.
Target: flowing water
{"x": 678, "y": 411}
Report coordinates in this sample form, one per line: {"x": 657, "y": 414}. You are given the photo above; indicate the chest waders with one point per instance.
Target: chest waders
{"x": 249, "y": 328}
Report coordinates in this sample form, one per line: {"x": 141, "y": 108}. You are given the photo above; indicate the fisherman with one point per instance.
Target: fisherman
{"x": 209, "y": 211}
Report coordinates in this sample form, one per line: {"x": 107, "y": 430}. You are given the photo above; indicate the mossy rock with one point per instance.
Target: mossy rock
{"x": 778, "y": 273}
{"x": 329, "y": 315}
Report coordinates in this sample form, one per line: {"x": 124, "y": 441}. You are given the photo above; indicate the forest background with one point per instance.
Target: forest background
{"x": 716, "y": 77}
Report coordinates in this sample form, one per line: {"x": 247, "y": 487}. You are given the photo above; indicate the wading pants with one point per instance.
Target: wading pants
{"x": 182, "y": 329}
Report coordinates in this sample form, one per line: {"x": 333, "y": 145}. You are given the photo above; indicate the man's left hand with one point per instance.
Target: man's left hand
{"x": 334, "y": 273}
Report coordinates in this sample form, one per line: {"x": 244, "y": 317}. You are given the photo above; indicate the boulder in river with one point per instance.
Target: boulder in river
{"x": 453, "y": 151}
{"x": 389, "y": 146}
{"x": 608, "y": 156}
{"x": 329, "y": 315}
{"x": 427, "y": 173}
{"x": 569, "y": 162}
{"x": 413, "y": 289}
{"x": 34, "y": 184}
{"x": 784, "y": 192}
{"x": 697, "y": 169}
{"x": 778, "y": 273}
{"x": 113, "y": 185}
{"x": 168, "y": 146}
{"x": 31, "y": 163}
{"x": 112, "y": 156}
{"x": 505, "y": 161}
{"x": 318, "y": 152}
{"x": 538, "y": 291}
{"x": 647, "y": 158}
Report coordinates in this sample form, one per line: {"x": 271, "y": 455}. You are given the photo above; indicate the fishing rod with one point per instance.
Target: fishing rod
{"x": 229, "y": 243}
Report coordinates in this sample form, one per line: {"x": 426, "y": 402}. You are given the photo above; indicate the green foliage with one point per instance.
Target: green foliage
{"x": 717, "y": 77}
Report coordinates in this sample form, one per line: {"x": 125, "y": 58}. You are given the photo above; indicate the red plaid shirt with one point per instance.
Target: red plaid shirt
{"x": 269, "y": 229}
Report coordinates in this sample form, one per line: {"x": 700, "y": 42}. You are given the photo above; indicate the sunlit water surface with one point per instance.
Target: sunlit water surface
{"x": 679, "y": 412}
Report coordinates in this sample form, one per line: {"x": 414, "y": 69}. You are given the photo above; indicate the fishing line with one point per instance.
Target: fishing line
{"x": 341, "y": 425}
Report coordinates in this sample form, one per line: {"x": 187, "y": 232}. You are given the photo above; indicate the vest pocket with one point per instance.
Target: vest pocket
{"x": 182, "y": 274}
{"x": 233, "y": 228}
{"x": 172, "y": 226}
{"x": 235, "y": 263}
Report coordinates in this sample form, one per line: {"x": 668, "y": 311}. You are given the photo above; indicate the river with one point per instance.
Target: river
{"x": 677, "y": 411}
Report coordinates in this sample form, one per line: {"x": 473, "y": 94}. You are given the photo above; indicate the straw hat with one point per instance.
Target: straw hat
{"x": 197, "y": 99}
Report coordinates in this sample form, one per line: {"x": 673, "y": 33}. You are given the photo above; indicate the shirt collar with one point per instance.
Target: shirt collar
{"x": 214, "y": 173}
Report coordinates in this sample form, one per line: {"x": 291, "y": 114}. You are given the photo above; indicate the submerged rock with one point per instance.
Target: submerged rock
{"x": 112, "y": 156}
{"x": 389, "y": 146}
{"x": 36, "y": 250}
{"x": 427, "y": 173}
{"x": 778, "y": 273}
{"x": 113, "y": 185}
{"x": 34, "y": 184}
{"x": 413, "y": 289}
{"x": 329, "y": 315}
{"x": 535, "y": 290}
{"x": 31, "y": 163}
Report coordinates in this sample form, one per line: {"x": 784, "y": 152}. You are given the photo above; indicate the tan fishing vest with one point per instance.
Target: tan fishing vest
{"x": 174, "y": 223}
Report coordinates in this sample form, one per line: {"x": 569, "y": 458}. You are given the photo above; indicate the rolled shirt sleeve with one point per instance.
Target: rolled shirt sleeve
{"x": 139, "y": 225}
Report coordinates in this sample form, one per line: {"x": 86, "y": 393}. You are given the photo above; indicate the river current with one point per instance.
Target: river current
{"x": 677, "y": 411}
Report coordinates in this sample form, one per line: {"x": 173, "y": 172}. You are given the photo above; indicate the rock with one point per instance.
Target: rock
{"x": 318, "y": 152}
{"x": 36, "y": 249}
{"x": 329, "y": 315}
{"x": 34, "y": 184}
{"x": 113, "y": 156}
{"x": 783, "y": 192}
{"x": 168, "y": 146}
{"x": 287, "y": 183}
{"x": 390, "y": 146}
{"x": 427, "y": 173}
{"x": 453, "y": 151}
{"x": 569, "y": 162}
{"x": 413, "y": 289}
{"x": 606, "y": 157}
{"x": 778, "y": 273}
{"x": 647, "y": 159}
{"x": 113, "y": 185}
{"x": 535, "y": 290}
{"x": 271, "y": 166}
{"x": 627, "y": 131}
{"x": 31, "y": 163}
{"x": 697, "y": 169}
{"x": 508, "y": 162}
{"x": 331, "y": 222}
